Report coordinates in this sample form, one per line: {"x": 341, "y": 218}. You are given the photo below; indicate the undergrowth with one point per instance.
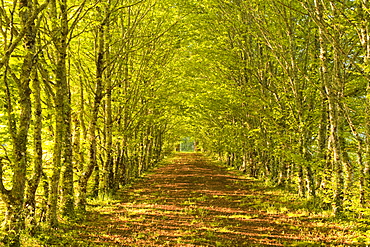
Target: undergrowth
{"x": 291, "y": 211}
{"x": 353, "y": 224}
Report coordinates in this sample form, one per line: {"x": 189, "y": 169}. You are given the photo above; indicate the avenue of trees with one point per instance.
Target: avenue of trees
{"x": 93, "y": 93}
{"x": 288, "y": 94}
{"x": 82, "y": 90}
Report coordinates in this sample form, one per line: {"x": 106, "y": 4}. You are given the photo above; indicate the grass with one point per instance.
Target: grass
{"x": 233, "y": 210}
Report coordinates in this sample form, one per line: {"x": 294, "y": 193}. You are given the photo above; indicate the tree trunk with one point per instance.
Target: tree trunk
{"x": 365, "y": 42}
{"x": 333, "y": 110}
{"x": 30, "y": 204}
{"x": 109, "y": 143}
{"x": 62, "y": 156}
{"x": 335, "y": 94}
{"x": 86, "y": 174}
{"x": 322, "y": 138}
{"x": 14, "y": 198}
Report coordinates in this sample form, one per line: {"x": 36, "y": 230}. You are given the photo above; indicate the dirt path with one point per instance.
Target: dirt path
{"x": 192, "y": 202}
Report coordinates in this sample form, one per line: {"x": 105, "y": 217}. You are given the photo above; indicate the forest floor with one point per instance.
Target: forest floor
{"x": 191, "y": 201}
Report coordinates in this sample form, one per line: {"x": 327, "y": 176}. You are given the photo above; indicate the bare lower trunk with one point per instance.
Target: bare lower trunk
{"x": 30, "y": 203}
{"x": 301, "y": 186}
{"x": 62, "y": 146}
{"x": 88, "y": 170}
{"x": 14, "y": 198}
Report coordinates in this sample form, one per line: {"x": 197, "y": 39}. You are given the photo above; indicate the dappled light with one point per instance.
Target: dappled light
{"x": 194, "y": 202}
{"x": 185, "y": 123}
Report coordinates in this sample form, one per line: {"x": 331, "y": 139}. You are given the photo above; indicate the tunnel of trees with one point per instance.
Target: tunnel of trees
{"x": 93, "y": 93}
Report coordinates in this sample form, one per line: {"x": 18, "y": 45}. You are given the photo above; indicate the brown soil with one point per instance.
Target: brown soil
{"x": 192, "y": 202}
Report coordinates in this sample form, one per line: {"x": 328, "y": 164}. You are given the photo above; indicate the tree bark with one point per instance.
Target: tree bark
{"x": 62, "y": 157}
{"x": 363, "y": 13}
{"x": 33, "y": 183}
{"x": 14, "y": 198}
{"x": 86, "y": 174}
{"x": 332, "y": 93}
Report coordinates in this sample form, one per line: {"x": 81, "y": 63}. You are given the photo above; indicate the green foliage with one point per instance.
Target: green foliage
{"x": 187, "y": 145}
{"x": 244, "y": 79}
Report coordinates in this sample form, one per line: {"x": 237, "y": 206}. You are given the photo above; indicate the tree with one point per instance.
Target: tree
{"x": 27, "y": 12}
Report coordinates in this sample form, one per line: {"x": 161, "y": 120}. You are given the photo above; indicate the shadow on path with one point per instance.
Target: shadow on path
{"x": 192, "y": 202}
